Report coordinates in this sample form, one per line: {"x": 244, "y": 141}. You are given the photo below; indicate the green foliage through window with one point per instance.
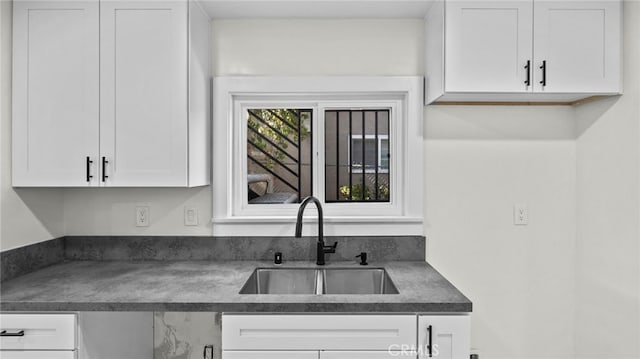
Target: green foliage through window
{"x": 358, "y": 195}
{"x": 277, "y": 125}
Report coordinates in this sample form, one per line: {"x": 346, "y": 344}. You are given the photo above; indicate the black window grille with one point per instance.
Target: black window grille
{"x": 357, "y": 155}
{"x": 279, "y": 158}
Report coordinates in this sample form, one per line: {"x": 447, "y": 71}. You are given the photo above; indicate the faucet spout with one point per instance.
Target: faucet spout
{"x": 321, "y": 249}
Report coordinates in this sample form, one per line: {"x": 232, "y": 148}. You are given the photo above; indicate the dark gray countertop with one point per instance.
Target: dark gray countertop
{"x": 212, "y": 286}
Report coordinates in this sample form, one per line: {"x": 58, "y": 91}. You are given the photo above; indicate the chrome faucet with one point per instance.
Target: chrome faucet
{"x": 321, "y": 249}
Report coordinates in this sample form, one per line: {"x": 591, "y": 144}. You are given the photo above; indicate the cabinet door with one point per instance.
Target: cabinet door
{"x": 448, "y": 336}
{"x": 483, "y": 58}
{"x": 190, "y": 329}
{"x": 270, "y": 355}
{"x": 55, "y": 92}
{"x": 117, "y": 335}
{"x": 144, "y": 79}
{"x": 580, "y": 42}
{"x": 406, "y": 354}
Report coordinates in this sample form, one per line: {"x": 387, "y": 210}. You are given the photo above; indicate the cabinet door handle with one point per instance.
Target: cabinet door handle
{"x": 544, "y": 73}
{"x": 104, "y": 169}
{"x": 430, "y": 341}
{"x": 19, "y": 333}
{"x": 527, "y": 67}
{"x": 89, "y": 162}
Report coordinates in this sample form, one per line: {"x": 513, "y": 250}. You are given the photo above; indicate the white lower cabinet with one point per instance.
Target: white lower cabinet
{"x": 130, "y": 335}
{"x": 84, "y": 335}
{"x": 444, "y": 336}
{"x": 369, "y": 355}
{"x": 318, "y": 332}
{"x": 317, "y": 355}
{"x": 270, "y": 355}
{"x": 38, "y": 354}
{"x": 362, "y": 336}
{"x": 50, "y": 336}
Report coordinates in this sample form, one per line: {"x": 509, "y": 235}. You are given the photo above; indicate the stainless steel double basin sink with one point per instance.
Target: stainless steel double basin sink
{"x": 319, "y": 281}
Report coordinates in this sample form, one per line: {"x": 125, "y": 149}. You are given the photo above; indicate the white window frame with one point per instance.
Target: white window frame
{"x": 232, "y": 215}
{"x": 379, "y": 160}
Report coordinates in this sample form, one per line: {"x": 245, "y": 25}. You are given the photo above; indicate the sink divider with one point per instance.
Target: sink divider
{"x": 319, "y": 281}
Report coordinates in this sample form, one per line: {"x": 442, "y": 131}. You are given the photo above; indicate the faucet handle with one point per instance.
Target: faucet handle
{"x": 331, "y": 249}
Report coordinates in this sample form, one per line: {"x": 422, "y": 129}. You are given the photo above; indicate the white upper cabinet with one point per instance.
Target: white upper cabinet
{"x": 487, "y": 43}
{"x": 522, "y": 50}
{"x": 579, "y": 44}
{"x": 119, "y": 99}
{"x": 55, "y": 93}
{"x": 144, "y": 110}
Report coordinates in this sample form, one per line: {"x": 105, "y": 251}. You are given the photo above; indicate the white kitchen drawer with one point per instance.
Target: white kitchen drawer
{"x": 269, "y": 355}
{"x": 38, "y": 354}
{"x": 41, "y": 331}
{"x": 317, "y": 332}
{"x": 408, "y": 354}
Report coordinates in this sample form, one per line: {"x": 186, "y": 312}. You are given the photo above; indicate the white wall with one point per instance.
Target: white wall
{"x": 26, "y": 215}
{"x": 111, "y": 211}
{"x": 480, "y": 161}
{"x": 317, "y": 47}
{"x": 608, "y": 209}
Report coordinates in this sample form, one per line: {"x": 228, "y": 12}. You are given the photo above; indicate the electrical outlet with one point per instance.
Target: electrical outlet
{"x": 208, "y": 352}
{"x": 520, "y": 214}
{"x": 190, "y": 216}
{"x": 142, "y": 216}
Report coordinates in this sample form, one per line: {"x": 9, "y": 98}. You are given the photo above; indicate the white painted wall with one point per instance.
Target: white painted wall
{"x": 318, "y": 47}
{"x": 26, "y": 215}
{"x": 480, "y": 161}
{"x": 111, "y": 211}
{"x": 608, "y": 209}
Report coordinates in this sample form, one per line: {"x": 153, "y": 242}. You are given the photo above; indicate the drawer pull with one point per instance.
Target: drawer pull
{"x": 19, "y": 333}
{"x": 430, "y": 342}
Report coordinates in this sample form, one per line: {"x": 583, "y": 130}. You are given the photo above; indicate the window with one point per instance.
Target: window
{"x": 357, "y": 155}
{"x": 279, "y": 157}
{"x": 344, "y": 140}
